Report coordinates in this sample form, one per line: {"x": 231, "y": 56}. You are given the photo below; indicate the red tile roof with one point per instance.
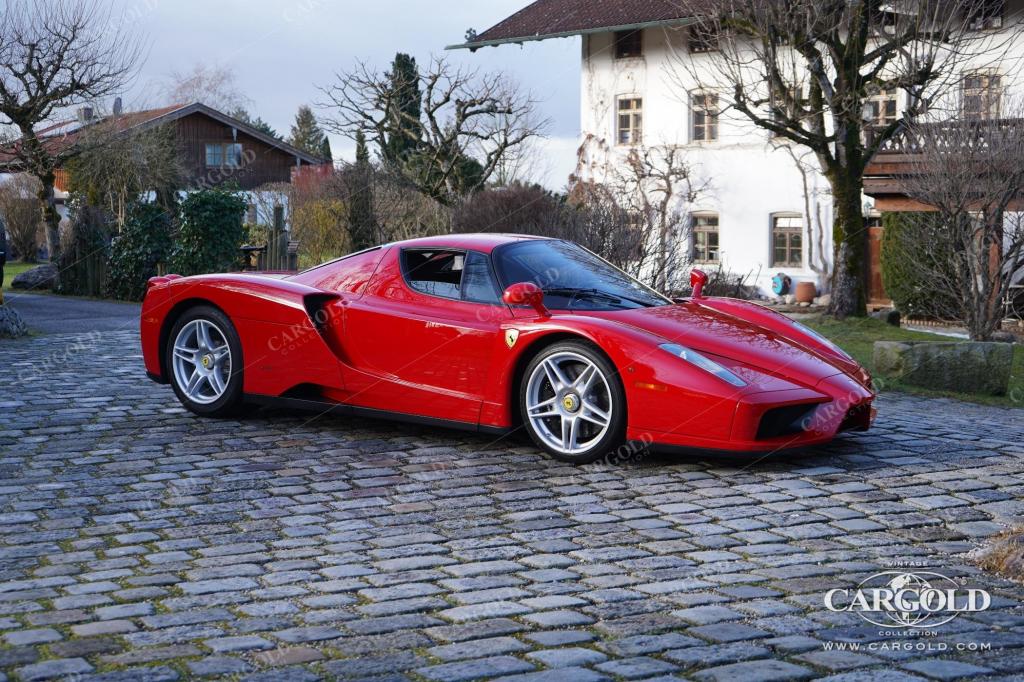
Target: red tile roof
{"x": 557, "y": 18}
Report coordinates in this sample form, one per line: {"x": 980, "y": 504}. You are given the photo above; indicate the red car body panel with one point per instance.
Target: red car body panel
{"x": 355, "y": 334}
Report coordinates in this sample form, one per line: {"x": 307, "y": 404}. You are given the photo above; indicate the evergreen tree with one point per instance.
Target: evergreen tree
{"x": 307, "y": 134}
{"x": 362, "y": 223}
{"x": 257, "y": 123}
{"x": 404, "y": 129}
{"x": 325, "y": 150}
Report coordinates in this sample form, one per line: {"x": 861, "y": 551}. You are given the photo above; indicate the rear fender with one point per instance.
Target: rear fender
{"x": 283, "y": 327}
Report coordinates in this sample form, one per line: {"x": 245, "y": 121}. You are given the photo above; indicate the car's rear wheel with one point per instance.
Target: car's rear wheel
{"x": 204, "y": 360}
{"x": 572, "y": 402}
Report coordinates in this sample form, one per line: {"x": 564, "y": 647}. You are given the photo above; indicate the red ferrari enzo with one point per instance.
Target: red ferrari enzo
{"x": 493, "y": 332}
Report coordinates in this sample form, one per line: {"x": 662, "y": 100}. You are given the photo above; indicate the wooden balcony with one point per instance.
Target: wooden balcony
{"x": 900, "y": 157}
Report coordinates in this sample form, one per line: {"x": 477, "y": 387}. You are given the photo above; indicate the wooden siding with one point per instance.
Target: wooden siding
{"x": 261, "y": 162}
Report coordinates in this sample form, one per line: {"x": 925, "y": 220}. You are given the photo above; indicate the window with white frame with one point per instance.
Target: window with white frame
{"x": 982, "y": 96}
{"x": 787, "y": 240}
{"x": 783, "y": 108}
{"x": 629, "y": 44}
{"x": 702, "y": 39}
{"x": 224, "y": 155}
{"x": 987, "y": 15}
{"x": 881, "y": 108}
{"x": 704, "y": 115}
{"x": 705, "y": 238}
{"x": 630, "y": 120}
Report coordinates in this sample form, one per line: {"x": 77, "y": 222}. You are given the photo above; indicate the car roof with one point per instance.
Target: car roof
{"x": 476, "y": 242}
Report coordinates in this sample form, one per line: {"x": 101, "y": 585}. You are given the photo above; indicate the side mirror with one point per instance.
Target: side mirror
{"x": 526, "y": 293}
{"x": 698, "y": 279}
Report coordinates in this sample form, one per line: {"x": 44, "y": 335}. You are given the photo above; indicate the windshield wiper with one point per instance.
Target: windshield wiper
{"x": 592, "y": 293}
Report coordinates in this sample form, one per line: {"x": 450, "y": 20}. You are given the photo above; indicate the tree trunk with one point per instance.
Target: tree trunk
{"x": 850, "y": 242}
{"x": 50, "y": 216}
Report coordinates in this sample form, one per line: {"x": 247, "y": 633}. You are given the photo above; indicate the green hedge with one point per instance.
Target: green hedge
{"x": 144, "y": 241}
{"x": 211, "y": 233}
{"x": 917, "y": 256}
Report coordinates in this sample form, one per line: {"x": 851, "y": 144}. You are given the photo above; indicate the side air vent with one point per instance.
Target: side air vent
{"x": 316, "y": 308}
{"x": 784, "y": 421}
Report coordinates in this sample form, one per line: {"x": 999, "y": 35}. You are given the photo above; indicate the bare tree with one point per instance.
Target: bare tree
{"x": 55, "y": 55}
{"x": 806, "y": 70}
{"x": 115, "y": 166}
{"x": 21, "y": 211}
{"x": 402, "y": 211}
{"x": 817, "y": 258}
{"x": 468, "y": 122}
{"x": 213, "y": 85}
{"x": 652, "y": 188}
{"x": 969, "y": 180}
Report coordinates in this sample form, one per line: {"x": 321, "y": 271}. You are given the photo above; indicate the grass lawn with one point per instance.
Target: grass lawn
{"x": 857, "y": 337}
{"x": 12, "y": 270}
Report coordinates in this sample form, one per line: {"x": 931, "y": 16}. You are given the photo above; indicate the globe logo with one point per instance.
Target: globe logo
{"x": 912, "y": 583}
{"x": 904, "y": 599}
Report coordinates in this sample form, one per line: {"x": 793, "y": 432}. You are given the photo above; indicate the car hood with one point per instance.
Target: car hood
{"x": 717, "y": 333}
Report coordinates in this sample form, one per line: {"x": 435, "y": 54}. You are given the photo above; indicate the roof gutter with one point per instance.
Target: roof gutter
{"x": 476, "y": 45}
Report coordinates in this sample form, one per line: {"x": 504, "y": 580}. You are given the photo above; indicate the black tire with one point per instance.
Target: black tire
{"x": 600, "y": 445}
{"x": 229, "y": 401}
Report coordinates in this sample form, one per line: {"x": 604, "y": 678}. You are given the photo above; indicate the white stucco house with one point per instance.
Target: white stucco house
{"x": 766, "y": 207}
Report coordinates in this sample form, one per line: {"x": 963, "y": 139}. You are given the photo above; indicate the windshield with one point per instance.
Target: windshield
{"x": 571, "y": 277}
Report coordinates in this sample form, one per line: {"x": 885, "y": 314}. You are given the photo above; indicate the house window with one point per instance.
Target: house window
{"x": 987, "y": 14}
{"x": 705, "y": 238}
{"x": 787, "y": 241}
{"x": 630, "y": 120}
{"x": 229, "y": 155}
{"x": 881, "y": 109}
{"x": 783, "y": 110}
{"x": 982, "y": 96}
{"x": 629, "y": 44}
{"x": 214, "y": 155}
{"x": 233, "y": 155}
{"x": 703, "y": 39}
{"x": 705, "y": 116}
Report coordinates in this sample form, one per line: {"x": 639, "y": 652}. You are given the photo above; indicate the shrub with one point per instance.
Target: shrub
{"x": 320, "y": 228}
{"x": 144, "y": 241}
{"x": 83, "y": 258}
{"x": 211, "y": 233}
{"x": 522, "y": 209}
{"x": 22, "y": 212}
{"x": 916, "y": 237}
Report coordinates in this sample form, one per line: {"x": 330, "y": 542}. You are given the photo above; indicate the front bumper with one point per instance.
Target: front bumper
{"x": 777, "y": 420}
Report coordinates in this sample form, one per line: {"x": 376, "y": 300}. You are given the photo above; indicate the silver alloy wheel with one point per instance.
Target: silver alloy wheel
{"x": 568, "y": 402}
{"x": 202, "y": 361}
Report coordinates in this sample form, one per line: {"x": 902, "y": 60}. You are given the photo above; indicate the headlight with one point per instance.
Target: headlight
{"x": 828, "y": 344}
{"x": 698, "y": 360}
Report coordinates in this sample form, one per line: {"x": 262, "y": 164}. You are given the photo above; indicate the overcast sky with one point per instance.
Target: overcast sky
{"x": 281, "y": 50}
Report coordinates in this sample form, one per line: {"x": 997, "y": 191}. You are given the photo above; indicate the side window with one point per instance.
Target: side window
{"x": 478, "y": 283}
{"x": 438, "y": 273}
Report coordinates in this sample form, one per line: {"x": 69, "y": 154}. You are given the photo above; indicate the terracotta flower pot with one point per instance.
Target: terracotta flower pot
{"x": 805, "y": 292}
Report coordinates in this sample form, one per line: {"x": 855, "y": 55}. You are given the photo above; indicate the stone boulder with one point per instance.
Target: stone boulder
{"x": 964, "y": 367}
{"x": 40, "y": 277}
{"x": 11, "y": 324}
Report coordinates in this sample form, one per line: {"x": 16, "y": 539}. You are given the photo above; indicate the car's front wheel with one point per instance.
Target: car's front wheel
{"x": 204, "y": 359}
{"x": 572, "y": 402}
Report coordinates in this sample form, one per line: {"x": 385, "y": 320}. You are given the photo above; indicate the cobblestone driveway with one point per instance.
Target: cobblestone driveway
{"x": 140, "y": 542}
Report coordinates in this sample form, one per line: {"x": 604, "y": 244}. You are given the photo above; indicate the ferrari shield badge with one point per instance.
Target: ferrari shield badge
{"x": 511, "y": 336}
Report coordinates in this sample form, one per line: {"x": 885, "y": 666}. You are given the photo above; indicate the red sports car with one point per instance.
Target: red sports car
{"x": 494, "y": 332}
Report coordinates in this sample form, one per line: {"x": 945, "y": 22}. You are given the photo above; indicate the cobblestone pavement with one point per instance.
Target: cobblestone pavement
{"x": 139, "y": 542}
